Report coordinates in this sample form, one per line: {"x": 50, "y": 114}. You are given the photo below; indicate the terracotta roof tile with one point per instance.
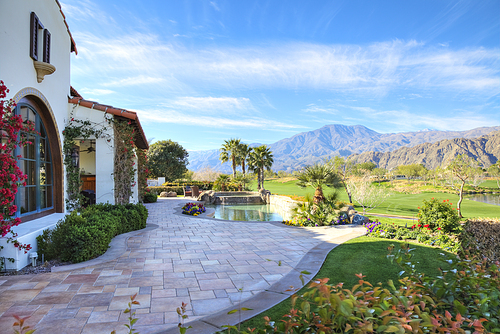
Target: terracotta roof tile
{"x": 73, "y": 44}
{"x": 140, "y": 140}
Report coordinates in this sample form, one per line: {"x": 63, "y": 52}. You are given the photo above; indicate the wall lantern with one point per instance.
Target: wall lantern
{"x": 75, "y": 156}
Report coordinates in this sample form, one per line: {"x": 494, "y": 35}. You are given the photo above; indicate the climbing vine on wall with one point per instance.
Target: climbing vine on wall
{"x": 77, "y": 130}
{"x": 142, "y": 172}
{"x": 11, "y": 176}
{"x": 124, "y": 175}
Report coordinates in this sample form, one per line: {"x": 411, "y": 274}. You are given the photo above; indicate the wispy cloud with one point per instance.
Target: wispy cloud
{"x": 313, "y": 108}
{"x": 221, "y": 104}
{"x": 132, "y": 81}
{"x": 214, "y": 121}
{"x": 377, "y": 68}
{"x": 214, "y": 5}
{"x": 96, "y": 91}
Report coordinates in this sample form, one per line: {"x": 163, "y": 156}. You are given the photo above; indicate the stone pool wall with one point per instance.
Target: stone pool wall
{"x": 283, "y": 205}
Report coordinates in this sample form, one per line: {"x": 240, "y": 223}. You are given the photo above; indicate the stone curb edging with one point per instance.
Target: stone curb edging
{"x": 312, "y": 261}
{"x": 117, "y": 247}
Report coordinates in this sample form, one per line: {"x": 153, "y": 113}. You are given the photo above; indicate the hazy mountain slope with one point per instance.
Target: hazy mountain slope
{"x": 309, "y": 147}
{"x": 485, "y": 149}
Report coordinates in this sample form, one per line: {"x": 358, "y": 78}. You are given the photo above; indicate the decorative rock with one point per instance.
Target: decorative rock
{"x": 349, "y": 210}
{"x": 360, "y": 220}
{"x": 207, "y": 196}
{"x": 168, "y": 194}
{"x": 265, "y": 195}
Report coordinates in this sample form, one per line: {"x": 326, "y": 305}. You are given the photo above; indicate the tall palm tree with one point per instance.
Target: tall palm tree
{"x": 260, "y": 158}
{"x": 244, "y": 154}
{"x": 318, "y": 176}
{"x": 230, "y": 152}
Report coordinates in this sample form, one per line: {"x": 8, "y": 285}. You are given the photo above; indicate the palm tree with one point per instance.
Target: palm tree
{"x": 260, "y": 158}
{"x": 318, "y": 176}
{"x": 244, "y": 154}
{"x": 230, "y": 152}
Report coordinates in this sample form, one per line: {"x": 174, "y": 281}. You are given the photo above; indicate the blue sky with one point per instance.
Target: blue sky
{"x": 200, "y": 72}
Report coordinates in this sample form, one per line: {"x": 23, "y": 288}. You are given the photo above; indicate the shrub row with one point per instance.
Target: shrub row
{"x": 464, "y": 299}
{"x": 84, "y": 235}
{"x": 482, "y": 236}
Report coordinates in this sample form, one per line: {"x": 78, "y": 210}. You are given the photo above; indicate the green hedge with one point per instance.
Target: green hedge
{"x": 84, "y": 235}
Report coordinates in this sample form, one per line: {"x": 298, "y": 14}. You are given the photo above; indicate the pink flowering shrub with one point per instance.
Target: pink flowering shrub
{"x": 11, "y": 177}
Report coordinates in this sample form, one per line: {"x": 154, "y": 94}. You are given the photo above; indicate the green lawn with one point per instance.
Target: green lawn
{"x": 364, "y": 255}
{"x": 490, "y": 184}
{"x": 398, "y": 204}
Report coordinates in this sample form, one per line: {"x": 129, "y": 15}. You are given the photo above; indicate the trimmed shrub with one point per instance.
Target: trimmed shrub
{"x": 150, "y": 198}
{"x": 86, "y": 235}
{"x": 439, "y": 214}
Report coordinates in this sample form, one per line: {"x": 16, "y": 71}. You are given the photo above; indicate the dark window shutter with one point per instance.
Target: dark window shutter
{"x": 34, "y": 36}
{"x": 46, "y": 46}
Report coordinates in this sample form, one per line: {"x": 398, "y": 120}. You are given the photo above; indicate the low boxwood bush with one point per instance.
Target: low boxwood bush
{"x": 84, "y": 235}
{"x": 150, "y": 197}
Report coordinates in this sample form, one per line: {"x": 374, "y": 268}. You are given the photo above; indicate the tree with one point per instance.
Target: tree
{"x": 412, "y": 171}
{"x": 261, "y": 158}
{"x": 344, "y": 169}
{"x": 364, "y": 168}
{"x": 494, "y": 171}
{"x": 318, "y": 176}
{"x": 230, "y": 151}
{"x": 241, "y": 180}
{"x": 167, "y": 158}
{"x": 244, "y": 152}
{"x": 462, "y": 167}
{"x": 379, "y": 173}
{"x": 207, "y": 173}
{"x": 366, "y": 194}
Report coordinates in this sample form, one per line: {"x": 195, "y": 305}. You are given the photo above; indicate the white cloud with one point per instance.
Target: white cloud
{"x": 211, "y": 120}
{"x": 213, "y": 4}
{"x": 132, "y": 81}
{"x": 313, "y": 108}
{"x": 212, "y": 103}
{"x": 96, "y": 91}
{"x": 374, "y": 69}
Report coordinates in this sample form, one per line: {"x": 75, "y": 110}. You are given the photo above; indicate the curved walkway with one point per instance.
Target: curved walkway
{"x": 212, "y": 265}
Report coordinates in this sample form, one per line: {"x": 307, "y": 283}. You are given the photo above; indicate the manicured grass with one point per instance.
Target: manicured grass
{"x": 398, "y": 204}
{"x": 364, "y": 255}
{"x": 490, "y": 184}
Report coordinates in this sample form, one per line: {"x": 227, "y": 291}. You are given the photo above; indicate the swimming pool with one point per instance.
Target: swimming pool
{"x": 252, "y": 212}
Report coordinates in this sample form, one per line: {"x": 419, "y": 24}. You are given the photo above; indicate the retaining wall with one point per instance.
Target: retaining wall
{"x": 283, "y": 205}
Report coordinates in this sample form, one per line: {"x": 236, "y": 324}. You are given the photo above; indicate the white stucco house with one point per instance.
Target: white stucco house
{"x": 35, "y": 51}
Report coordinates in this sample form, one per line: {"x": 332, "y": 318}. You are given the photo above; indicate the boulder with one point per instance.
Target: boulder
{"x": 207, "y": 196}
{"x": 265, "y": 195}
{"x": 360, "y": 220}
{"x": 168, "y": 194}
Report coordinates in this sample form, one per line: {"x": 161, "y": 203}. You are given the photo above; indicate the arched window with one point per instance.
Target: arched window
{"x": 37, "y": 196}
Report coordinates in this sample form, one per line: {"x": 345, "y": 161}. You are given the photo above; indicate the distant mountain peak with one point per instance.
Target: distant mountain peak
{"x": 309, "y": 147}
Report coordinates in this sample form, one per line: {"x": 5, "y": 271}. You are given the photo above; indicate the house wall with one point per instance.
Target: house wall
{"x": 16, "y": 66}
{"x": 104, "y": 154}
{"x": 19, "y": 75}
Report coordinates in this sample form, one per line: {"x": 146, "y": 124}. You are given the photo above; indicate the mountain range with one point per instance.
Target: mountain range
{"x": 364, "y": 144}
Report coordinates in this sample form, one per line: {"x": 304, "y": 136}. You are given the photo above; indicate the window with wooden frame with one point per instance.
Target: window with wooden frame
{"x": 35, "y": 34}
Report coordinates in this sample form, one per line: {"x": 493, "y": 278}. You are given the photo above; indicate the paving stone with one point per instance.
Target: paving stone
{"x": 91, "y": 299}
{"x": 183, "y": 259}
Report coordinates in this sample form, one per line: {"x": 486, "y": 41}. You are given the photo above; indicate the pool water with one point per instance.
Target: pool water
{"x": 252, "y": 212}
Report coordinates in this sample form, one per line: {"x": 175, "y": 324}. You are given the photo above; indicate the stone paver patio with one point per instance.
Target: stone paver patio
{"x": 212, "y": 265}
